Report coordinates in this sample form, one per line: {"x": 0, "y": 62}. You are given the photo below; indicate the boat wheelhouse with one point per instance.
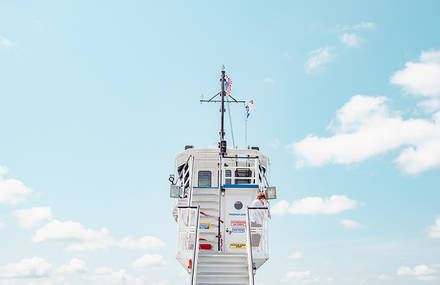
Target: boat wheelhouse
{"x": 221, "y": 239}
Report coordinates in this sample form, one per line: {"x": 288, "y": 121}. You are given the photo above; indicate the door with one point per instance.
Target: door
{"x": 235, "y": 204}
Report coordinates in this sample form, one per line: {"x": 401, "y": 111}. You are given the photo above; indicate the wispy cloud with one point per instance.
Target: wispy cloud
{"x": 358, "y": 27}
{"x": 434, "y": 230}
{"x": 296, "y": 255}
{"x": 364, "y": 26}
{"x": 420, "y": 272}
{"x": 6, "y": 42}
{"x": 351, "y": 224}
{"x": 319, "y": 58}
{"x": 268, "y": 80}
{"x": 351, "y": 39}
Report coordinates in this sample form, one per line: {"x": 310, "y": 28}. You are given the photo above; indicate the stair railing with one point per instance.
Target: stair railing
{"x": 249, "y": 249}
{"x": 196, "y": 249}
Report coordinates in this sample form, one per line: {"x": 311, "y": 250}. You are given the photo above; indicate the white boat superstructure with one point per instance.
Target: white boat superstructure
{"x": 221, "y": 238}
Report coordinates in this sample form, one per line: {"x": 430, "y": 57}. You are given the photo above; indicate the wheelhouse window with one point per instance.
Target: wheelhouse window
{"x": 204, "y": 177}
{"x": 243, "y": 172}
{"x": 228, "y": 173}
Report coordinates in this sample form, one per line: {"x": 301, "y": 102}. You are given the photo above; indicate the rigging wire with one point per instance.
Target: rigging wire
{"x": 230, "y": 123}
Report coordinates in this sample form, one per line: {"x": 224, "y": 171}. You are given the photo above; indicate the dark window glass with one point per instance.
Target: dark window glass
{"x": 204, "y": 178}
{"x": 243, "y": 172}
{"x": 228, "y": 174}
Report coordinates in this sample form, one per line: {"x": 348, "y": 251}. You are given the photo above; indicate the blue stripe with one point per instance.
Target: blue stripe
{"x": 240, "y": 186}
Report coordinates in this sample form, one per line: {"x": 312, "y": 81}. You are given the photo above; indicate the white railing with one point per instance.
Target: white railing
{"x": 249, "y": 249}
{"x": 196, "y": 250}
{"x": 188, "y": 237}
{"x": 259, "y": 232}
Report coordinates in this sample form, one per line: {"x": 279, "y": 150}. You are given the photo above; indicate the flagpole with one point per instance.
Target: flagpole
{"x": 245, "y": 131}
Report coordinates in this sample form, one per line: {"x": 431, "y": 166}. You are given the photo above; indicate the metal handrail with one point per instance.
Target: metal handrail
{"x": 196, "y": 249}
{"x": 249, "y": 249}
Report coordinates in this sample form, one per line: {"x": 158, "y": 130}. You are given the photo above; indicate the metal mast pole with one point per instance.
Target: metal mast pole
{"x": 222, "y": 145}
{"x": 222, "y": 111}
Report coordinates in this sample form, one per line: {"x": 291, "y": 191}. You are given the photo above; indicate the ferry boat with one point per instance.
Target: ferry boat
{"x": 221, "y": 238}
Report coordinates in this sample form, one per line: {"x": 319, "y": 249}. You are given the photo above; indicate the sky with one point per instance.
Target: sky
{"x": 97, "y": 98}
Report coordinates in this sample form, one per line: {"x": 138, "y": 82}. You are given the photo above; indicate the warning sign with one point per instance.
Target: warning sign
{"x": 237, "y": 245}
{"x": 238, "y": 226}
{"x": 238, "y": 223}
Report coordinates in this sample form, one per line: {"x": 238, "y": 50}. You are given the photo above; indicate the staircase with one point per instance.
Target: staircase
{"x": 214, "y": 267}
{"x": 222, "y": 269}
{"x": 207, "y": 199}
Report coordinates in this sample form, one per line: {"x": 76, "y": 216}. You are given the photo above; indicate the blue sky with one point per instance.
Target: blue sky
{"x": 97, "y": 98}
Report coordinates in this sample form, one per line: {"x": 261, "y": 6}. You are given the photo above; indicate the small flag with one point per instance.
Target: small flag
{"x": 228, "y": 85}
{"x": 249, "y": 107}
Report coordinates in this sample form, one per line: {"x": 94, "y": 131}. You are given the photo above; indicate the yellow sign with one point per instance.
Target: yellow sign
{"x": 237, "y": 245}
{"x": 205, "y": 226}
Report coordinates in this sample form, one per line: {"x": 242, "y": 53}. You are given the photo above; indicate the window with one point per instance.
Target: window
{"x": 204, "y": 178}
{"x": 243, "y": 172}
{"x": 228, "y": 174}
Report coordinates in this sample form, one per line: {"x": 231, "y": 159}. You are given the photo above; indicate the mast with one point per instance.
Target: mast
{"x": 222, "y": 143}
{"x": 230, "y": 99}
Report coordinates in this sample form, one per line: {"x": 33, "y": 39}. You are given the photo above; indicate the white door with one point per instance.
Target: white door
{"x": 234, "y": 207}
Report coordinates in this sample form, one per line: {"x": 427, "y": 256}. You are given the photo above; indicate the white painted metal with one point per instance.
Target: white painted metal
{"x": 243, "y": 173}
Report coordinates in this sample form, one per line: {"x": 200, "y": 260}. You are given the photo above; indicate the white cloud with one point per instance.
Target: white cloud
{"x": 2, "y": 225}
{"x": 297, "y": 276}
{"x": 106, "y": 275}
{"x": 422, "y": 78}
{"x": 6, "y": 42}
{"x": 26, "y": 268}
{"x": 434, "y": 230}
{"x": 146, "y": 242}
{"x": 149, "y": 260}
{"x": 351, "y": 39}
{"x": 12, "y": 191}
{"x": 280, "y": 208}
{"x": 73, "y": 232}
{"x": 421, "y": 272}
{"x": 365, "y": 127}
{"x": 28, "y": 218}
{"x": 79, "y": 238}
{"x": 351, "y": 224}
{"x": 317, "y": 205}
{"x": 296, "y": 255}
{"x": 319, "y": 57}
{"x": 75, "y": 266}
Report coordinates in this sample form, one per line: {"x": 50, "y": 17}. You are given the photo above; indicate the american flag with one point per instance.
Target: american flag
{"x": 228, "y": 85}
